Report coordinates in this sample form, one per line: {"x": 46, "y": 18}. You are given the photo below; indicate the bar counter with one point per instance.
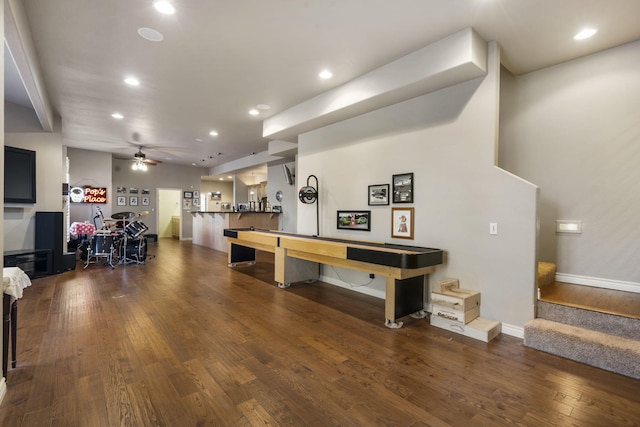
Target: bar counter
{"x": 208, "y": 227}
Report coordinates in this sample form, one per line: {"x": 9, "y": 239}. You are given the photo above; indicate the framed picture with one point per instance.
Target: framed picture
{"x": 378, "y": 194}
{"x": 145, "y": 201}
{"x": 133, "y": 190}
{"x": 122, "y": 200}
{"x": 402, "y": 223}
{"x": 133, "y": 200}
{"x": 354, "y": 220}
{"x": 196, "y": 194}
{"x": 276, "y": 208}
{"x": 403, "y": 188}
{"x": 187, "y": 195}
{"x": 146, "y": 191}
{"x": 196, "y": 202}
{"x": 186, "y": 204}
{"x": 121, "y": 190}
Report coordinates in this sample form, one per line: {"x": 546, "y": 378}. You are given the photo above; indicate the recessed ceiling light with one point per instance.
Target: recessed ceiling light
{"x": 193, "y": 164}
{"x": 585, "y": 34}
{"x": 199, "y": 139}
{"x": 164, "y": 6}
{"x": 263, "y": 106}
{"x": 254, "y": 112}
{"x": 221, "y": 179}
{"x": 117, "y": 116}
{"x": 230, "y": 177}
{"x": 325, "y": 74}
{"x": 132, "y": 81}
{"x": 213, "y": 133}
{"x": 150, "y": 34}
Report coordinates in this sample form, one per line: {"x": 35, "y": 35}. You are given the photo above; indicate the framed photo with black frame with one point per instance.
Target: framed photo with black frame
{"x": 378, "y": 194}
{"x": 354, "y": 220}
{"x": 403, "y": 188}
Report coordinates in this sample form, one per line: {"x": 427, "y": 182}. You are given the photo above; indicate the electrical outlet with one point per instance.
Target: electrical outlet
{"x": 372, "y": 276}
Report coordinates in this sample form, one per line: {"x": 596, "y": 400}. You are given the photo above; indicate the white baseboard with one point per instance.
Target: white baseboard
{"x": 514, "y": 331}
{"x": 361, "y": 289}
{"x": 3, "y": 389}
{"x": 596, "y": 282}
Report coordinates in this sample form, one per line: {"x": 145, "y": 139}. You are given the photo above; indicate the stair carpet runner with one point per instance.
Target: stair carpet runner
{"x": 602, "y": 340}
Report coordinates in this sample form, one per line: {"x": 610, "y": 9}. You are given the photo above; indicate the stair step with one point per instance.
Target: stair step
{"x": 546, "y": 273}
{"x": 612, "y": 324}
{"x": 605, "y": 351}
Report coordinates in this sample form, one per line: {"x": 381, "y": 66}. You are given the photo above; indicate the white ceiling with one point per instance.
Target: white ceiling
{"x": 221, "y": 58}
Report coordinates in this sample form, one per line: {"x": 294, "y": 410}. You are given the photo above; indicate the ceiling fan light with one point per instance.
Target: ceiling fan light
{"x": 164, "y": 6}
{"x": 134, "y": 166}
{"x": 143, "y": 167}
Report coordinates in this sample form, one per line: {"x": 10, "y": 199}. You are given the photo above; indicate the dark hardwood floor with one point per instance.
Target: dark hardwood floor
{"x": 621, "y": 303}
{"x": 186, "y": 341}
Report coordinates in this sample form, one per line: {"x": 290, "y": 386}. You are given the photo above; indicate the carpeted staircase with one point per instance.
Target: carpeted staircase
{"x": 603, "y": 340}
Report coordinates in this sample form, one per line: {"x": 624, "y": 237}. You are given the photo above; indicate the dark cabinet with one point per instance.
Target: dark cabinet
{"x": 34, "y": 262}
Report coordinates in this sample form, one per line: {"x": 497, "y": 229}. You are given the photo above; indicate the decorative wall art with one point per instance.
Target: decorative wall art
{"x": 403, "y": 188}
{"x": 122, "y": 200}
{"x": 186, "y": 203}
{"x": 187, "y": 195}
{"x": 145, "y": 201}
{"x": 133, "y": 200}
{"x": 133, "y": 190}
{"x": 354, "y": 220}
{"x": 378, "y": 194}
{"x": 402, "y": 223}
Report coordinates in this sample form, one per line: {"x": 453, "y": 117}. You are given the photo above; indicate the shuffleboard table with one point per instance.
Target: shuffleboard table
{"x": 298, "y": 258}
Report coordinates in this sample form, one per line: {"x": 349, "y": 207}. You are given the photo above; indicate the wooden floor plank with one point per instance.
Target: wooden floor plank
{"x": 185, "y": 340}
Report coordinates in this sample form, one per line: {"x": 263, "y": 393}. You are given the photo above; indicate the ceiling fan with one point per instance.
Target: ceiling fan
{"x": 140, "y": 161}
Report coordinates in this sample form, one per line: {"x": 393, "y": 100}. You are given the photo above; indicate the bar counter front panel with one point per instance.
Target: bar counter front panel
{"x": 297, "y": 258}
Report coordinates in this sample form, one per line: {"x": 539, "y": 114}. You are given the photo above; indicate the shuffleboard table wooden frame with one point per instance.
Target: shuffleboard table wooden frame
{"x": 298, "y": 258}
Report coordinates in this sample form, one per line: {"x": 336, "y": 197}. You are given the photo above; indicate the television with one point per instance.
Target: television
{"x": 288, "y": 176}
{"x": 19, "y": 175}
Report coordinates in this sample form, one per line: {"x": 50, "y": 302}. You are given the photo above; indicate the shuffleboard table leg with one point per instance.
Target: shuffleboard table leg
{"x": 421, "y": 314}
{"x": 392, "y": 324}
{"x": 284, "y": 285}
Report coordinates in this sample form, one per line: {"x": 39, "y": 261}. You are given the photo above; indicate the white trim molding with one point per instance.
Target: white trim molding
{"x": 3, "y": 389}
{"x": 596, "y": 282}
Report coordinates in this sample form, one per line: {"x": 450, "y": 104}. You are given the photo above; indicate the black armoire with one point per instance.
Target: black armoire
{"x": 50, "y": 235}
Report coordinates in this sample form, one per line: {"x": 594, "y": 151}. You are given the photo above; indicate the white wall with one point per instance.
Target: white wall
{"x": 289, "y": 203}
{"x": 574, "y": 130}
{"x": 19, "y": 222}
{"x": 92, "y": 168}
{"x": 448, "y": 140}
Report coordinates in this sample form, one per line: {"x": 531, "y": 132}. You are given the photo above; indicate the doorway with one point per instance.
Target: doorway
{"x": 169, "y": 213}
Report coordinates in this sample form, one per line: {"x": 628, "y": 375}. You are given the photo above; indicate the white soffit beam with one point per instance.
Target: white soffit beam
{"x": 457, "y": 58}
{"x": 248, "y": 162}
{"x": 18, "y": 39}
{"x": 282, "y": 148}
